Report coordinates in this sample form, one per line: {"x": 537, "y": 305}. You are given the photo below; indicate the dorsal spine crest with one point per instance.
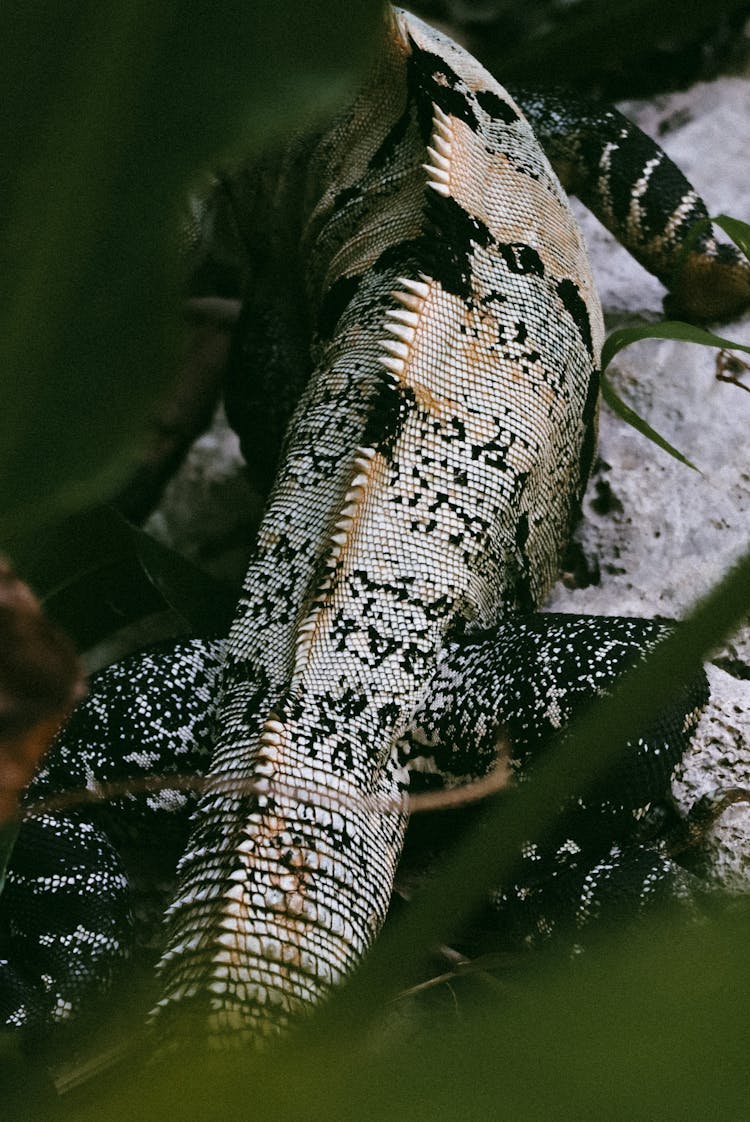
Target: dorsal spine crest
{"x": 403, "y": 322}
{"x": 354, "y": 499}
{"x": 439, "y": 151}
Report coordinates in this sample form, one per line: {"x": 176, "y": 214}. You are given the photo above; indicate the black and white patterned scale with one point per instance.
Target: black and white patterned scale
{"x": 426, "y": 489}
{"x": 86, "y": 883}
{"x": 425, "y": 494}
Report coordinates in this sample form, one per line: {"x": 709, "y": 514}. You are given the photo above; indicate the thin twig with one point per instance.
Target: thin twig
{"x": 728, "y": 368}
{"x": 498, "y": 779}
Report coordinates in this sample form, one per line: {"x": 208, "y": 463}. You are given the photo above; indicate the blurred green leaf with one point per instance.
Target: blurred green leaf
{"x": 653, "y": 1028}
{"x": 593, "y": 45}
{"x": 96, "y": 573}
{"x": 86, "y": 573}
{"x": 206, "y": 604}
{"x": 108, "y": 111}
{"x": 651, "y": 1025}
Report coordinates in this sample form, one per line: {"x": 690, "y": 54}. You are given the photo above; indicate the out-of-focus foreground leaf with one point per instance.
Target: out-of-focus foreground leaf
{"x": 109, "y": 110}
{"x": 96, "y": 573}
{"x": 625, "y": 47}
{"x": 654, "y": 1026}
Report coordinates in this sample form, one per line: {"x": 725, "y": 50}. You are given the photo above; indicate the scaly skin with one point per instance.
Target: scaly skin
{"x": 417, "y": 270}
{"x": 425, "y": 490}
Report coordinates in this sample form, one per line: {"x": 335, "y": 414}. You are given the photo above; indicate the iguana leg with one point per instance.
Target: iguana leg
{"x": 527, "y": 679}
{"x": 66, "y": 922}
{"x": 606, "y": 857}
{"x": 642, "y": 197}
{"x": 152, "y": 715}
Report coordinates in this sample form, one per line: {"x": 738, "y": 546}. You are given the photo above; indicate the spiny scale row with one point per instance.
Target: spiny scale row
{"x": 439, "y": 170}
{"x": 403, "y": 322}
{"x": 341, "y": 530}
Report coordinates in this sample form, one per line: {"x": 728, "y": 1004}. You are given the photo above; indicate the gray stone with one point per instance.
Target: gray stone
{"x": 661, "y": 534}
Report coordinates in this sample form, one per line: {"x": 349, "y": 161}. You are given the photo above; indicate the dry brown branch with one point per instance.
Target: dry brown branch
{"x": 498, "y": 779}
{"x": 729, "y": 368}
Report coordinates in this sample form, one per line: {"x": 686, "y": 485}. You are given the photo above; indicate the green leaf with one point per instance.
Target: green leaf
{"x": 738, "y": 231}
{"x": 618, "y": 406}
{"x": 109, "y": 111}
{"x": 651, "y": 1026}
{"x": 597, "y": 41}
{"x": 668, "y": 329}
{"x": 205, "y": 604}
{"x": 86, "y": 572}
{"x": 96, "y": 573}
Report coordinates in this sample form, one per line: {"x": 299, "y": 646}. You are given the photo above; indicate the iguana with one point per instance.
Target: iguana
{"x": 420, "y": 302}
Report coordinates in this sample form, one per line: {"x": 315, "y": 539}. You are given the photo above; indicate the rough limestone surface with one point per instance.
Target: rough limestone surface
{"x": 720, "y": 757}
{"x": 659, "y": 534}
{"x": 208, "y": 511}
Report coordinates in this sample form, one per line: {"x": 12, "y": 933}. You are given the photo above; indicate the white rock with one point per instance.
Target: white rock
{"x": 674, "y": 533}
{"x": 208, "y": 511}
{"x": 719, "y": 759}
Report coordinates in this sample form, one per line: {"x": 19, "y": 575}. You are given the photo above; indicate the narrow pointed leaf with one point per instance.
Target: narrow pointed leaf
{"x": 618, "y": 406}
{"x": 737, "y": 230}
{"x": 669, "y": 329}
